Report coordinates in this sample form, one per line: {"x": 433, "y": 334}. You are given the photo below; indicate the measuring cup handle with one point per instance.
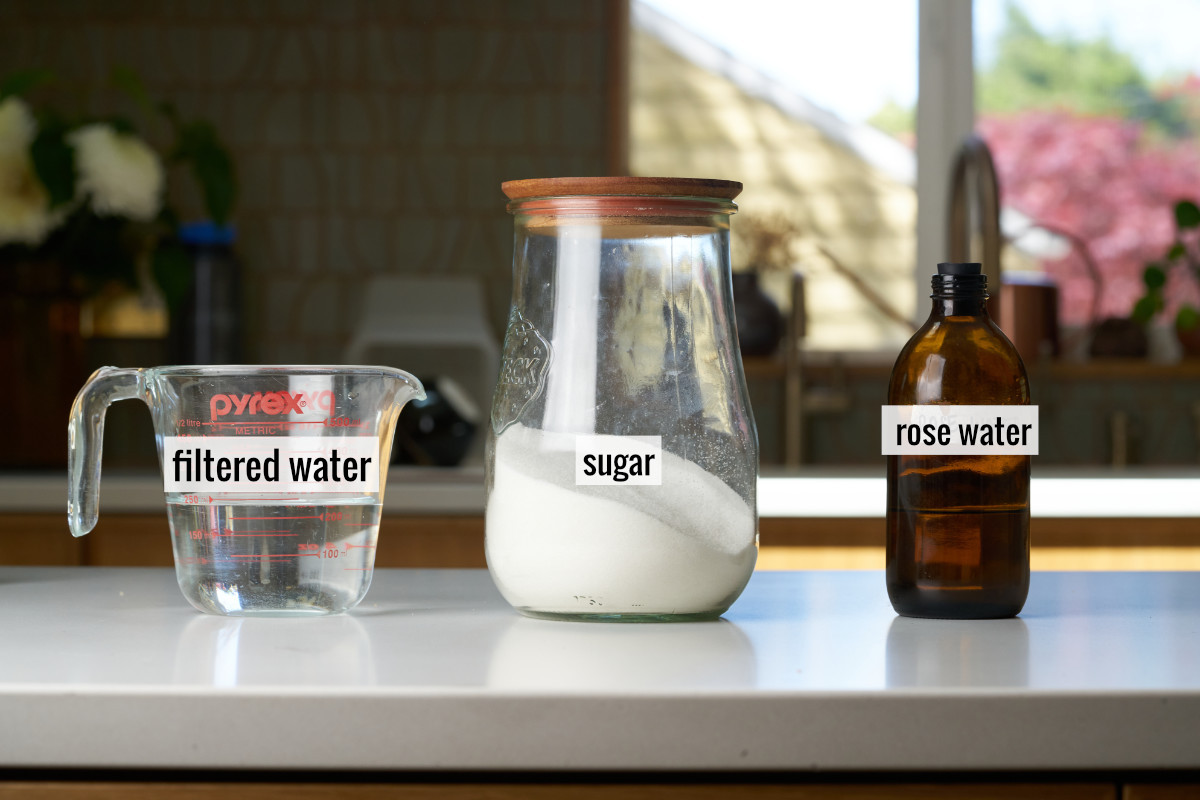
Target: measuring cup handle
{"x": 85, "y": 440}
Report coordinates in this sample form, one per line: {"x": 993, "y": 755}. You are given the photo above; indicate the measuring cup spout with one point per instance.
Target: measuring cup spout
{"x": 410, "y": 388}
{"x": 85, "y": 440}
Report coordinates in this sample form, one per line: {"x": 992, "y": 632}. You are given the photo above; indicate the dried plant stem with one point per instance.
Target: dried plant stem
{"x": 865, "y": 289}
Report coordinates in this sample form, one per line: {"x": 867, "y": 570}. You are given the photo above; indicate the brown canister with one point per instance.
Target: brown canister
{"x": 1029, "y": 315}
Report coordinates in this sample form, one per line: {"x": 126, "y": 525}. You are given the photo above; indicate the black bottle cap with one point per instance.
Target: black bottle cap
{"x": 960, "y": 268}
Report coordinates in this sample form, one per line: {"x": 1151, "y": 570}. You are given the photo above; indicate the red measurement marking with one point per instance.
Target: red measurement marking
{"x": 244, "y": 424}
{"x": 284, "y": 531}
{"x": 360, "y": 546}
{"x": 281, "y": 555}
{"x": 318, "y": 516}
{"x": 191, "y": 499}
{"x": 269, "y": 497}
{"x": 279, "y": 423}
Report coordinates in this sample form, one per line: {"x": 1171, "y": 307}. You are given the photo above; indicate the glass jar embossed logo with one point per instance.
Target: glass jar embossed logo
{"x": 522, "y": 371}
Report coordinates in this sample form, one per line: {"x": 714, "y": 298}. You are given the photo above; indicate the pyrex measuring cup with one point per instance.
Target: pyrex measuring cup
{"x": 273, "y": 476}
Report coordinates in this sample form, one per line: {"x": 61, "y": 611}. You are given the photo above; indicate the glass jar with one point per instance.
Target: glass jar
{"x": 622, "y": 457}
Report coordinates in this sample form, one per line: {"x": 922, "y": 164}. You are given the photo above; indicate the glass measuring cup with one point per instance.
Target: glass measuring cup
{"x": 273, "y": 476}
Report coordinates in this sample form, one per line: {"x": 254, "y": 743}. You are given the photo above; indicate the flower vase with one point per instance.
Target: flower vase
{"x": 759, "y": 322}
{"x": 1189, "y": 341}
{"x": 42, "y": 357}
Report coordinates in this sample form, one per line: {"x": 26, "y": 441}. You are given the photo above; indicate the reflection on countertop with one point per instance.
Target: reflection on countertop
{"x": 807, "y": 670}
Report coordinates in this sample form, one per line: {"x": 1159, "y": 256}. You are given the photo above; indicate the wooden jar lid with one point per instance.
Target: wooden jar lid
{"x": 621, "y": 186}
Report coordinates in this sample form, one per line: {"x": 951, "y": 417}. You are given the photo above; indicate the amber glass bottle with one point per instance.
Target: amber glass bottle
{"x": 958, "y": 525}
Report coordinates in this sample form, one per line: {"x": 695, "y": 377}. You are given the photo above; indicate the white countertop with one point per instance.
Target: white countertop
{"x": 111, "y": 668}
{"x": 813, "y": 492}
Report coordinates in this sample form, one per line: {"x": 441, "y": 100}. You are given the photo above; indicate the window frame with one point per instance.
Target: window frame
{"x": 945, "y": 116}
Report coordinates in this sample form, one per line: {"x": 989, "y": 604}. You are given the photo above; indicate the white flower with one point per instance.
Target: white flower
{"x": 120, "y": 172}
{"x": 25, "y": 216}
{"x": 17, "y": 127}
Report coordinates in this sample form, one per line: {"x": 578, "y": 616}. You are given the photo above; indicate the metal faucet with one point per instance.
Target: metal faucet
{"x": 973, "y": 167}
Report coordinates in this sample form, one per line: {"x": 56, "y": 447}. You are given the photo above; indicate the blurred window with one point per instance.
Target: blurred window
{"x": 812, "y": 109}
{"x": 1092, "y": 111}
{"x": 1091, "y": 108}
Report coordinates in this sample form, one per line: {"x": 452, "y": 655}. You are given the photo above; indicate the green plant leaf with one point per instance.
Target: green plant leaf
{"x": 214, "y": 171}
{"x": 54, "y": 163}
{"x": 168, "y": 110}
{"x": 173, "y": 273}
{"x": 211, "y": 166}
{"x": 1177, "y": 251}
{"x": 167, "y": 218}
{"x": 1187, "y": 215}
{"x": 122, "y": 125}
{"x": 1187, "y": 318}
{"x": 1154, "y": 277}
{"x": 21, "y": 82}
{"x": 129, "y": 82}
{"x": 1144, "y": 310}
{"x": 190, "y": 137}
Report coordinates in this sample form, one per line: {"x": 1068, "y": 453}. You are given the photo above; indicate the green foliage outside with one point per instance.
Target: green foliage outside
{"x": 1035, "y": 71}
{"x": 895, "y": 119}
{"x": 1184, "y": 254}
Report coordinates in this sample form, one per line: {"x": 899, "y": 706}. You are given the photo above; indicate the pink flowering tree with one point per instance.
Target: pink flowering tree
{"x": 1104, "y": 181}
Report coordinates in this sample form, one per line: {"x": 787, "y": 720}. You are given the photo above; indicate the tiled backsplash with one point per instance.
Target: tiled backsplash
{"x": 371, "y": 136}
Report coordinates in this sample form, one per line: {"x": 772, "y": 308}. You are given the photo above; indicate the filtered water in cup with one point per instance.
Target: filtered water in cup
{"x": 243, "y": 556}
{"x": 301, "y": 543}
